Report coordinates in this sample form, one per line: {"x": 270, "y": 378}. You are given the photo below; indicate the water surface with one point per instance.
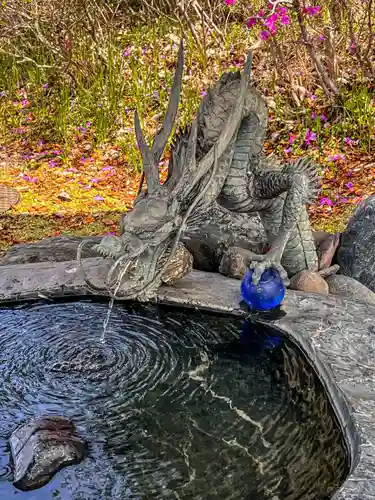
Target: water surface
{"x": 175, "y": 405}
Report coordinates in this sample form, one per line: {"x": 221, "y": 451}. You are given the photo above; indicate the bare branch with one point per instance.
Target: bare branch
{"x": 329, "y": 86}
{"x": 23, "y": 59}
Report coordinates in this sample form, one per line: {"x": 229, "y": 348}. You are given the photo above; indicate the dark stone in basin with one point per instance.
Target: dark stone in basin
{"x": 41, "y": 448}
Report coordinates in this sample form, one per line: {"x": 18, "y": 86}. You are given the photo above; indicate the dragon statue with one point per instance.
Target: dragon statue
{"x": 218, "y": 158}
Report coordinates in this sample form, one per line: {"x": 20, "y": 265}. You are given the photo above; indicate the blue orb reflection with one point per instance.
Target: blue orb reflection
{"x": 256, "y": 339}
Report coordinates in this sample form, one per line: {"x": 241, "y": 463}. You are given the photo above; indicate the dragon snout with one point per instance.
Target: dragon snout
{"x": 118, "y": 246}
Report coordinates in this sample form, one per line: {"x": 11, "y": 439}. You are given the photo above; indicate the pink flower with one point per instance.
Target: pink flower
{"x": 264, "y": 35}
{"x": 326, "y": 201}
{"x": 349, "y": 185}
{"x": 230, "y": 2}
{"x": 284, "y": 19}
{"x": 30, "y": 179}
{"x": 323, "y": 118}
{"x": 251, "y": 22}
{"x": 310, "y": 136}
{"x": 349, "y": 141}
{"x": 312, "y": 10}
{"x": 282, "y": 11}
{"x": 336, "y": 157}
{"x": 270, "y": 23}
{"x": 292, "y": 138}
{"x": 98, "y": 198}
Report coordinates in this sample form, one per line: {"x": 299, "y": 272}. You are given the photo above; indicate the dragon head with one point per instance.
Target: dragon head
{"x": 148, "y": 224}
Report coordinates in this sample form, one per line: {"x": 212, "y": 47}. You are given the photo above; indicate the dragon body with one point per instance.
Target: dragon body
{"x": 218, "y": 158}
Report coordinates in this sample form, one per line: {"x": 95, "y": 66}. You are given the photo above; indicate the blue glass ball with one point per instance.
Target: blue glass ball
{"x": 267, "y": 295}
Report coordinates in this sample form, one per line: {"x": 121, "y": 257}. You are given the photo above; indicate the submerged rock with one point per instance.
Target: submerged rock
{"x": 41, "y": 448}
{"x": 356, "y": 254}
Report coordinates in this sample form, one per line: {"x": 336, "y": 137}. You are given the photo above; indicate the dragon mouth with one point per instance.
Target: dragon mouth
{"x": 135, "y": 274}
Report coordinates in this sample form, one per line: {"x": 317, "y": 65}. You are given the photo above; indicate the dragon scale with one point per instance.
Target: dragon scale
{"x": 237, "y": 193}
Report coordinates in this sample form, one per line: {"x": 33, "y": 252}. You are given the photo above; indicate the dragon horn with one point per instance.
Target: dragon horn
{"x": 184, "y": 163}
{"x": 163, "y": 134}
{"x": 150, "y": 167}
{"x": 152, "y": 157}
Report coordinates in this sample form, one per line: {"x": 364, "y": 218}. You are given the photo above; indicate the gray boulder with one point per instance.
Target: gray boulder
{"x": 356, "y": 254}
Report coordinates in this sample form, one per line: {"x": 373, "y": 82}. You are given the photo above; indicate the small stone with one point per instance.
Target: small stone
{"x": 235, "y": 262}
{"x": 326, "y": 246}
{"x": 179, "y": 266}
{"x": 349, "y": 287}
{"x": 41, "y": 448}
{"x": 64, "y": 196}
{"x": 309, "y": 281}
{"x": 329, "y": 271}
{"x": 114, "y": 154}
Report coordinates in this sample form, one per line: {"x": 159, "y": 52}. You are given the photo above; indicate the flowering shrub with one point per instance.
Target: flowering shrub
{"x": 274, "y": 16}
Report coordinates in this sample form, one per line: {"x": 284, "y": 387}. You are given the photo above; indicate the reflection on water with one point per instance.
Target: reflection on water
{"x": 175, "y": 405}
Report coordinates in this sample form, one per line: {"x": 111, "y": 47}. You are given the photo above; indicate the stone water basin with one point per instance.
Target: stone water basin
{"x": 174, "y": 404}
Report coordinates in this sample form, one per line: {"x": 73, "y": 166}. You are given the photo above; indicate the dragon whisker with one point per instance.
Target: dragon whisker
{"x": 91, "y": 286}
{"x": 114, "y": 266}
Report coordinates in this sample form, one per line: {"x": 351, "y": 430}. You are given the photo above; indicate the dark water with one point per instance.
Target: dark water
{"x": 175, "y": 405}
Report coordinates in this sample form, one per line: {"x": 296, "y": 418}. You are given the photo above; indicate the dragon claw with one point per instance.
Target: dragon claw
{"x": 262, "y": 262}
